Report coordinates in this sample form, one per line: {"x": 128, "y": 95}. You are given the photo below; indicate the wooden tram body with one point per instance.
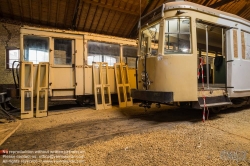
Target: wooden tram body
{"x": 56, "y": 65}
{"x": 173, "y": 41}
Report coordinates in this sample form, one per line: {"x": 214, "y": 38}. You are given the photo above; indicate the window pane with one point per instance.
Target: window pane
{"x": 172, "y": 26}
{"x": 177, "y": 36}
{"x": 103, "y": 52}
{"x": 14, "y": 54}
{"x": 129, "y": 51}
{"x": 36, "y": 49}
{"x": 184, "y": 25}
{"x": 150, "y": 39}
{"x": 11, "y": 56}
{"x": 131, "y": 62}
{"x": 62, "y": 51}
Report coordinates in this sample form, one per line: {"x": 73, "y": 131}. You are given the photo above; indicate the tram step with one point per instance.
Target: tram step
{"x": 214, "y": 101}
{"x": 62, "y": 98}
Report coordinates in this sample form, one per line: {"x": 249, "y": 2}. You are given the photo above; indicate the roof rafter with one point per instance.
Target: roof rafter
{"x": 66, "y": 12}
{"x": 79, "y": 16}
{"x": 99, "y": 18}
{"x": 40, "y": 11}
{"x": 107, "y": 16}
{"x": 48, "y": 17}
{"x": 86, "y": 17}
{"x": 220, "y": 3}
{"x": 30, "y": 7}
{"x": 242, "y": 10}
{"x": 57, "y": 11}
{"x": 123, "y": 18}
{"x": 74, "y": 19}
{"x": 11, "y": 9}
{"x": 21, "y": 9}
{"x": 112, "y": 8}
{"x": 93, "y": 18}
{"x": 113, "y": 16}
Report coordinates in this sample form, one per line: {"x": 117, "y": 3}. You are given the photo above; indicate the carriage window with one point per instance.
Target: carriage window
{"x": 177, "y": 36}
{"x": 63, "y": 51}
{"x": 103, "y": 52}
{"x": 36, "y": 49}
{"x": 129, "y": 55}
{"x": 245, "y": 45}
{"x": 12, "y": 54}
{"x": 150, "y": 39}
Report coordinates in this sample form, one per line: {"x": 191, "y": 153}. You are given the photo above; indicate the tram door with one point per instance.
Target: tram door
{"x": 62, "y": 65}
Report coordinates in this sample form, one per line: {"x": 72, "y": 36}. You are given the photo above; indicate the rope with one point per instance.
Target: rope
{"x": 203, "y": 96}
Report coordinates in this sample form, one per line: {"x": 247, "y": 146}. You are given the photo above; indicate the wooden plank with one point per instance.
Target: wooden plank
{"x": 243, "y": 45}
{"x": 42, "y": 89}
{"x": 26, "y": 90}
{"x": 235, "y": 40}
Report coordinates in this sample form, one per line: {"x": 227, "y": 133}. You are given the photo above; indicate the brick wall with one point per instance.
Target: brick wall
{"x": 9, "y": 37}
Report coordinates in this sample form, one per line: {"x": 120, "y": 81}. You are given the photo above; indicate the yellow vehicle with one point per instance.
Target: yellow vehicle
{"x": 192, "y": 55}
{"x": 56, "y": 65}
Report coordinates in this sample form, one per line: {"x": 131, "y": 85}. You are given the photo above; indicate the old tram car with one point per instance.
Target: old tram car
{"x": 181, "y": 42}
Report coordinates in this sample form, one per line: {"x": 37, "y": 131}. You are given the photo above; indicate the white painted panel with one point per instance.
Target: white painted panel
{"x": 79, "y": 67}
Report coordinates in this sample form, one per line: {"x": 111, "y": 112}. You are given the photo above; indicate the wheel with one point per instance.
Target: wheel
{"x": 215, "y": 110}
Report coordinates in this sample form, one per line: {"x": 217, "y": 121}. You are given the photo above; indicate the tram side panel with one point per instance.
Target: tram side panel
{"x": 238, "y": 64}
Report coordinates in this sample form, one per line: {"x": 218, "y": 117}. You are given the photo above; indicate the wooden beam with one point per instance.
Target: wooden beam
{"x": 49, "y": 8}
{"x": 86, "y": 17}
{"x": 66, "y": 12}
{"x": 100, "y": 18}
{"x": 244, "y": 9}
{"x": 10, "y": 8}
{"x": 107, "y": 16}
{"x": 220, "y": 3}
{"x": 30, "y": 7}
{"x": 21, "y": 9}
{"x": 113, "y": 17}
{"x": 119, "y": 30}
{"x": 112, "y": 8}
{"x": 119, "y": 19}
{"x": 206, "y": 2}
{"x": 40, "y": 11}
{"x": 57, "y": 11}
{"x": 73, "y": 22}
{"x": 93, "y": 18}
{"x": 79, "y": 16}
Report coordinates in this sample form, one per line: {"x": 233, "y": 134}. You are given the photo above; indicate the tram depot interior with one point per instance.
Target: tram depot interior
{"x": 102, "y": 30}
{"x": 96, "y": 17}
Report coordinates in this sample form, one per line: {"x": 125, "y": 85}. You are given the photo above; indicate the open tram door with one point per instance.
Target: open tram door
{"x": 62, "y": 78}
{"x": 212, "y": 63}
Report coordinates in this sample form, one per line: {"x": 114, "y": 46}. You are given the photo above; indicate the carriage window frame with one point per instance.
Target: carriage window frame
{"x": 245, "y": 45}
{"x": 104, "y": 54}
{"x": 171, "y": 49}
{"x": 8, "y": 65}
{"x": 30, "y": 46}
{"x": 129, "y": 57}
{"x": 153, "y": 46}
{"x": 69, "y": 60}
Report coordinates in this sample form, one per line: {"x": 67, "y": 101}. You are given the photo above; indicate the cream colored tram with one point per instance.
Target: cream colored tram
{"x": 56, "y": 65}
{"x": 181, "y": 40}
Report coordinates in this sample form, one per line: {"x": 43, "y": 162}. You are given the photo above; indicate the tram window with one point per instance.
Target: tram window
{"x": 177, "y": 36}
{"x": 103, "y": 52}
{"x": 62, "y": 51}
{"x": 36, "y": 49}
{"x": 245, "y": 42}
{"x": 129, "y": 55}
{"x": 150, "y": 39}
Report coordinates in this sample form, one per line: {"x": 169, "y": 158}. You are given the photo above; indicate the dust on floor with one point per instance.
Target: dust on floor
{"x": 129, "y": 136}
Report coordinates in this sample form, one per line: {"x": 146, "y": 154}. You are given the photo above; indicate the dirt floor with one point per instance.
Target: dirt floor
{"x": 73, "y": 135}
